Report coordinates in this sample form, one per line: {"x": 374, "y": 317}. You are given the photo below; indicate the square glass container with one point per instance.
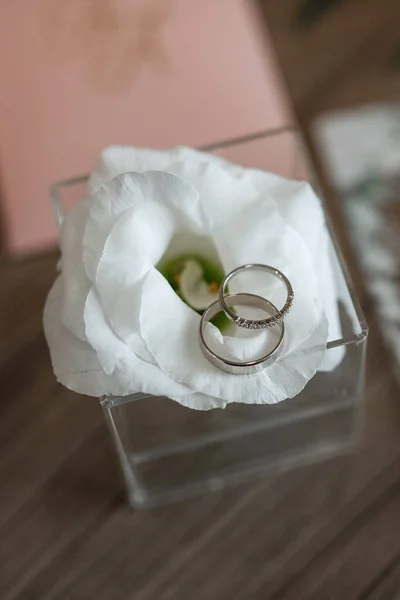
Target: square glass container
{"x": 168, "y": 451}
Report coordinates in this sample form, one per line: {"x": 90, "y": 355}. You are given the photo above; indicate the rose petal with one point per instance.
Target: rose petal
{"x": 143, "y": 203}
{"x": 117, "y": 360}
{"x": 116, "y": 160}
{"x": 300, "y": 207}
{"x": 329, "y": 299}
{"x": 134, "y": 245}
{"x": 180, "y": 197}
{"x": 302, "y": 363}
{"x": 75, "y": 363}
{"x": 249, "y": 345}
{"x": 107, "y": 205}
{"x": 200, "y": 401}
{"x": 145, "y": 211}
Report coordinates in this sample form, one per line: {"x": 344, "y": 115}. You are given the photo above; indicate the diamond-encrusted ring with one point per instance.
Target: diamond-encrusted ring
{"x": 240, "y": 367}
{"x": 256, "y": 323}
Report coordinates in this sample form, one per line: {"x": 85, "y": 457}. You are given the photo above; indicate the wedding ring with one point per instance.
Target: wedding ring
{"x": 240, "y": 367}
{"x": 256, "y": 323}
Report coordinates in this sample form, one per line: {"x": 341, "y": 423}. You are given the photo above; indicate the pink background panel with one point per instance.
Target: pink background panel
{"x": 177, "y": 72}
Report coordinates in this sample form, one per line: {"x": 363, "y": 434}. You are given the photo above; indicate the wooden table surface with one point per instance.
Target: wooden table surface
{"x": 335, "y": 53}
{"x": 330, "y": 531}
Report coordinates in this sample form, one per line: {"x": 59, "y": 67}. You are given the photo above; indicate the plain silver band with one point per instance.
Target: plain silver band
{"x": 242, "y": 367}
{"x": 256, "y": 323}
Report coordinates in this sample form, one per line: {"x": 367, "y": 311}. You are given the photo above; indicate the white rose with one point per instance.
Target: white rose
{"x": 114, "y": 323}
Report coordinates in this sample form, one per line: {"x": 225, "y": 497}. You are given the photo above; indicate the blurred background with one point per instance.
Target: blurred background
{"x": 80, "y": 75}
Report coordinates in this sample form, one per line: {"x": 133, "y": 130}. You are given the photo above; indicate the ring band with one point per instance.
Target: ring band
{"x": 256, "y": 323}
{"x": 239, "y": 367}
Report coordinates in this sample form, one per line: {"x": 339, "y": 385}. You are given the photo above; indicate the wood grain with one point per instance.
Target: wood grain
{"x": 335, "y": 53}
{"x": 330, "y": 530}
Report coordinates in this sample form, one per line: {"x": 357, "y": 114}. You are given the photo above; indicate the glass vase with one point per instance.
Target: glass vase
{"x": 168, "y": 452}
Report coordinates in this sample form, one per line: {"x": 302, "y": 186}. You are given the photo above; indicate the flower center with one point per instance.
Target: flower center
{"x": 196, "y": 280}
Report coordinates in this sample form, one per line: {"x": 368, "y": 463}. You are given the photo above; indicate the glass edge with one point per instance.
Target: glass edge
{"x": 55, "y": 198}
{"x": 359, "y": 337}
